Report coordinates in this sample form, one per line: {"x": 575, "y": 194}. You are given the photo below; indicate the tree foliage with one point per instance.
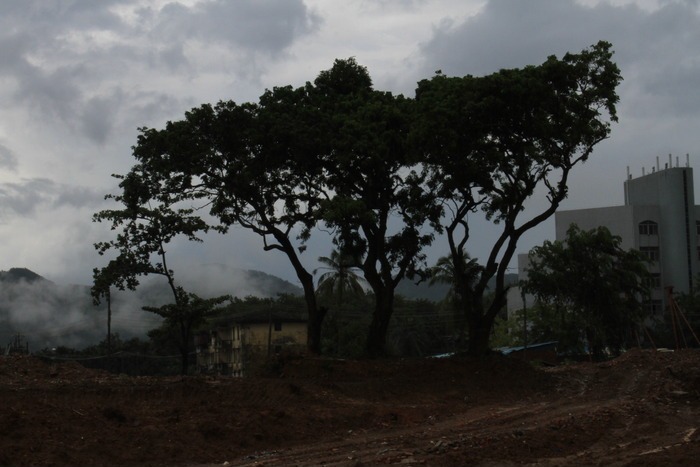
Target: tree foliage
{"x": 148, "y": 221}
{"x": 252, "y": 165}
{"x": 593, "y": 287}
{"x": 490, "y": 142}
{"x": 339, "y": 278}
{"x": 379, "y": 208}
{"x": 385, "y": 173}
{"x": 444, "y": 272}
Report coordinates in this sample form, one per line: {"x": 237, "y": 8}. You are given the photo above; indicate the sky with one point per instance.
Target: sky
{"x": 79, "y": 77}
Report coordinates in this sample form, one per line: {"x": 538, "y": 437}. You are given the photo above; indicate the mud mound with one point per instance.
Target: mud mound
{"x": 640, "y": 409}
{"x": 25, "y": 369}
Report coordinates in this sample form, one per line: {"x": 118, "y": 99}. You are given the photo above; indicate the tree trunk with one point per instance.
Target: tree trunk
{"x": 313, "y": 329}
{"x": 185, "y": 336}
{"x": 479, "y": 336}
{"x": 316, "y": 315}
{"x": 480, "y": 326}
{"x": 376, "y": 337}
{"x": 109, "y": 322}
{"x": 185, "y": 357}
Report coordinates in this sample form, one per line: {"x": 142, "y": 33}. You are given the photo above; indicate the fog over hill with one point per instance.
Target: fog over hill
{"x": 49, "y": 314}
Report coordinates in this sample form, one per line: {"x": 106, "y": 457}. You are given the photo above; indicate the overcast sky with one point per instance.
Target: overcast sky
{"x": 78, "y": 77}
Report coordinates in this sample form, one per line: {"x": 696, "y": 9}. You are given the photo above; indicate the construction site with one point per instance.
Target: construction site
{"x": 640, "y": 409}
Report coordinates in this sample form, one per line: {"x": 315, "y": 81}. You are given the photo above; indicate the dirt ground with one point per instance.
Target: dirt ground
{"x": 641, "y": 409}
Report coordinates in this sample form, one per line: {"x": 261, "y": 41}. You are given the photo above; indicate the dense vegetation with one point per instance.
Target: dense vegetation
{"x": 385, "y": 175}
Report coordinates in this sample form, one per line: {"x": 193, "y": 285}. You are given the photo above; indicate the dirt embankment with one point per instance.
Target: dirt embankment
{"x": 640, "y": 409}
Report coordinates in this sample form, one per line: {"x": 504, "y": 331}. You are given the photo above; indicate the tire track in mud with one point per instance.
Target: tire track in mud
{"x": 598, "y": 416}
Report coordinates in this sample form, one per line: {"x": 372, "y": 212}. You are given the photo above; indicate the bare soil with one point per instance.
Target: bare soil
{"x": 641, "y": 409}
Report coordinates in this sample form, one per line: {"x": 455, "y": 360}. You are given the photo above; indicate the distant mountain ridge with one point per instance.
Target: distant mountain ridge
{"x": 272, "y": 282}
{"x": 49, "y": 314}
{"x": 14, "y": 275}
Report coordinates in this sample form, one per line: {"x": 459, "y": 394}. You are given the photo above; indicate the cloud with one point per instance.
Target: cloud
{"x": 98, "y": 115}
{"x": 79, "y": 76}
{"x": 514, "y": 34}
{"x": 26, "y": 197}
{"x": 8, "y": 159}
{"x": 68, "y": 61}
{"x": 260, "y": 26}
{"x": 655, "y": 49}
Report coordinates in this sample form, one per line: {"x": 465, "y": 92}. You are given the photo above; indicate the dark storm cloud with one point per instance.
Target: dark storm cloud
{"x": 148, "y": 106}
{"x": 76, "y": 197}
{"x": 58, "y": 55}
{"x": 60, "y": 13}
{"x": 508, "y": 34}
{"x": 48, "y": 76}
{"x": 98, "y": 115}
{"x": 24, "y": 198}
{"x": 268, "y": 26}
{"x": 656, "y": 50}
{"x": 8, "y": 160}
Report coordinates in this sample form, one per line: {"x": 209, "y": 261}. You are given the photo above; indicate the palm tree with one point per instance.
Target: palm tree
{"x": 340, "y": 276}
{"x": 445, "y": 272}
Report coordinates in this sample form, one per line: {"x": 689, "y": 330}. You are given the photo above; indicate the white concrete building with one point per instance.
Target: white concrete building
{"x": 659, "y": 218}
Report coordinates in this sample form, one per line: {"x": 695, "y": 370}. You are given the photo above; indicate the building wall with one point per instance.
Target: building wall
{"x": 665, "y": 197}
{"x": 671, "y": 191}
{"x": 515, "y": 298}
{"x": 618, "y": 219}
{"x": 220, "y": 351}
{"x": 241, "y": 348}
{"x": 280, "y": 336}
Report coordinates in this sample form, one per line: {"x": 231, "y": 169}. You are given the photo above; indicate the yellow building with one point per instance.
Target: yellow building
{"x": 238, "y": 347}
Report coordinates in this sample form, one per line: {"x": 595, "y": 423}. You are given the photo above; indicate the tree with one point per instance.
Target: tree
{"x": 596, "y": 287}
{"x": 379, "y": 207}
{"x": 252, "y": 165}
{"x": 339, "y": 278}
{"x": 490, "y": 143}
{"x": 182, "y": 317}
{"x": 444, "y": 272}
{"x": 147, "y": 222}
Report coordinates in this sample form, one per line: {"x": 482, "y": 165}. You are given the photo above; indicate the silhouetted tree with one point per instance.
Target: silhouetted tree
{"x": 340, "y": 277}
{"x": 595, "y": 287}
{"x": 461, "y": 284}
{"x": 491, "y": 143}
{"x": 252, "y": 165}
{"x": 146, "y": 223}
{"x": 379, "y": 209}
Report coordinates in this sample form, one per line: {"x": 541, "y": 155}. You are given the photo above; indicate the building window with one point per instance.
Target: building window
{"x": 655, "y": 281}
{"x": 651, "y": 252}
{"x": 648, "y": 228}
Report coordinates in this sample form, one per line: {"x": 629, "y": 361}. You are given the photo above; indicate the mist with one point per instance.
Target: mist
{"x": 49, "y": 315}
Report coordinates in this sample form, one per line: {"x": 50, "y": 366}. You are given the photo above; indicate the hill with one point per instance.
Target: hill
{"x": 15, "y": 275}
{"x": 49, "y": 315}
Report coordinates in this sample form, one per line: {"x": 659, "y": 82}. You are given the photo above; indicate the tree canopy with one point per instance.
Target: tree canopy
{"x": 146, "y": 223}
{"x": 490, "y": 142}
{"x": 384, "y": 174}
{"x": 596, "y": 288}
{"x": 340, "y": 277}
